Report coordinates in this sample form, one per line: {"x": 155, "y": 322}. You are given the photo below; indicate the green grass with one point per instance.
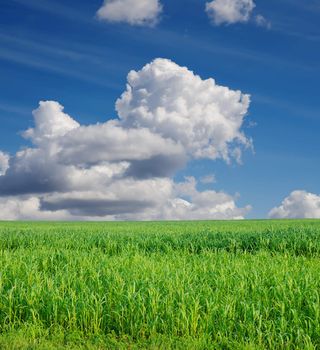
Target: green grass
{"x": 173, "y": 285}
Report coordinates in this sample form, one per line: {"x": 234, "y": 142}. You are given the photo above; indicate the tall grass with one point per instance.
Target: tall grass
{"x": 199, "y": 285}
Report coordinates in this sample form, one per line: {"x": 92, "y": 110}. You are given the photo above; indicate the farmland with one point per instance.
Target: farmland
{"x": 160, "y": 285}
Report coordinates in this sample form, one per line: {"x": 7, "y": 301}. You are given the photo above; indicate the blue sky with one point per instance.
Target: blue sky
{"x": 59, "y": 50}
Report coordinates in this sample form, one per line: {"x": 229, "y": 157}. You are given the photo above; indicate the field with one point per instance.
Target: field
{"x": 173, "y": 285}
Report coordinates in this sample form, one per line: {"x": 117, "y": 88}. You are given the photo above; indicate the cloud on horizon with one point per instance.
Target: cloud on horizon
{"x": 123, "y": 168}
{"x": 298, "y": 205}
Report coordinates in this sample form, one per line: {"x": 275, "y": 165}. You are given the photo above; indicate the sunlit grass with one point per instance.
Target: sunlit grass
{"x": 197, "y": 285}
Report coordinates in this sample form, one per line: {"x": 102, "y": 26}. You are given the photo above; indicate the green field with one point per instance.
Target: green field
{"x": 173, "y": 285}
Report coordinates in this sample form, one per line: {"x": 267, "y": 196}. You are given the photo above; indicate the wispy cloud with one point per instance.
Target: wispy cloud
{"x": 209, "y": 45}
{"x": 293, "y": 108}
{"x": 53, "y": 50}
{"x": 55, "y": 8}
{"x": 31, "y": 61}
{"x": 77, "y": 61}
{"x": 4, "y": 107}
{"x": 98, "y": 55}
{"x": 76, "y": 53}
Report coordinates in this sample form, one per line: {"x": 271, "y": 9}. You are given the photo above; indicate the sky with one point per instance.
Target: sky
{"x": 158, "y": 109}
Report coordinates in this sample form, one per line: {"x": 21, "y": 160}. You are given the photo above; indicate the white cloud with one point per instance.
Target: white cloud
{"x": 117, "y": 200}
{"x": 230, "y": 11}
{"x": 123, "y": 168}
{"x": 4, "y": 163}
{"x": 299, "y": 204}
{"x": 50, "y": 123}
{"x": 262, "y": 22}
{"x": 111, "y": 141}
{"x": 141, "y": 12}
{"x": 200, "y": 205}
{"x": 157, "y": 199}
{"x": 208, "y": 179}
{"x": 28, "y": 209}
{"x": 173, "y": 102}
{"x": 234, "y": 11}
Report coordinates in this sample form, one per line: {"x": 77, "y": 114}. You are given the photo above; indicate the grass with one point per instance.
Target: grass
{"x": 173, "y": 285}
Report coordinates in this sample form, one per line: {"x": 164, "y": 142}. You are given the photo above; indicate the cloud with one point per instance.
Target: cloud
{"x": 157, "y": 166}
{"x": 27, "y": 209}
{"x": 4, "y": 163}
{"x": 299, "y": 204}
{"x": 148, "y": 200}
{"x": 208, "y": 179}
{"x": 194, "y": 205}
{"x": 111, "y": 141}
{"x": 50, "y": 123}
{"x": 229, "y": 11}
{"x": 262, "y": 22}
{"x": 124, "y": 168}
{"x": 120, "y": 197}
{"x": 177, "y": 104}
{"x": 234, "y": 11}
{"x": 141, "y": 13}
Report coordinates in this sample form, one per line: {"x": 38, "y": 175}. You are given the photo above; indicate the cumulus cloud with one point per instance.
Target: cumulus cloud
{"x": 192, "y": 204}
{"x": 233, "y": 11}
{"x": 141, "y": 12}
{"x": 298, "y": 205}
{"x": 21, "y": 208}
{"x": 155, "y": 200}
{"x": 50, "y": 123}
{"x": 124, "y": 168}
{"x": 177, "y": 104}
{"x": 111, "y": 141}
{"x": 120, "y": 197}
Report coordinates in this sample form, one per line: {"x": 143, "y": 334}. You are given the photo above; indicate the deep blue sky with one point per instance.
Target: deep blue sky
{"x": 58, "y": 50}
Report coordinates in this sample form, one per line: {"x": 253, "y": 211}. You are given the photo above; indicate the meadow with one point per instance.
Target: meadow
{"x": 160, "y": 285}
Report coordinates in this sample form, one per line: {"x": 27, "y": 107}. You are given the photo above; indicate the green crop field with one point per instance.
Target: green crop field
{"x": 170, "y": 285}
